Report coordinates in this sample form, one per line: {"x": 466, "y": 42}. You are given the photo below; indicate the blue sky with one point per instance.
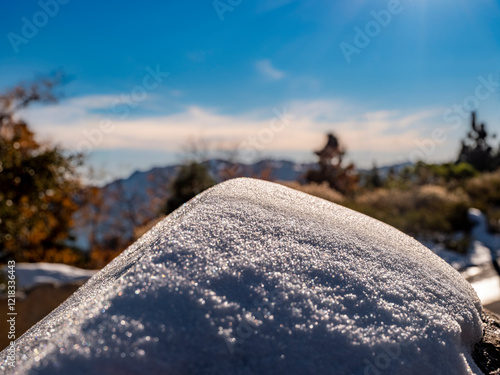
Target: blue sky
{"x": 264, "y": 77}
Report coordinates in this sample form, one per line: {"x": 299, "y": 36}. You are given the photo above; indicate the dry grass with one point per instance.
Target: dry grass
{"x": 318, "y": 190}
{"x": 421, "y": 210}
{"x": 484, "y": 191}
{"x": 485, "y": 188}
{"x": 418, "y": 197}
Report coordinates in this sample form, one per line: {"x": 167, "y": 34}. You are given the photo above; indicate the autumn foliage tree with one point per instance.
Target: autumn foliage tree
{"x": 38, "y": 183}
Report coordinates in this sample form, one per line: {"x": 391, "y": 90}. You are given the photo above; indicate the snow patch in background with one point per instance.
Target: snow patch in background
{"x": 31, "y": 274}
{"x": 488, "y": 290}
{"x": 477, "y": 255}
{"x": 252, "y": 277}
{"x": 476, "y": 265}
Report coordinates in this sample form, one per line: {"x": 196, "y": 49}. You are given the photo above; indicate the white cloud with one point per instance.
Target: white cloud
{"x": 69, "y": 112}
{"x": 362, "y": 132}
{"x": 93, "y": 101}
{"x": 266, "y": 68}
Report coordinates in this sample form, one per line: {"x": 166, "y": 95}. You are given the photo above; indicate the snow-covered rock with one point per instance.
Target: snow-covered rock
{"x": 251, "y": 277}
{"x": 31, "y": 274}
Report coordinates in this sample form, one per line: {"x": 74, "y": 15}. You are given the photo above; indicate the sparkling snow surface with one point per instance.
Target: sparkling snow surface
{"x": 255, "y": 278}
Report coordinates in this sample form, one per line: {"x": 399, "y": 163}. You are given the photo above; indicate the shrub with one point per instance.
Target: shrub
{"x": 420, "y": 210}
{"x": 192, "y": 179}
{"x": 484, "y": 193}
{"x": 322, "y": 190}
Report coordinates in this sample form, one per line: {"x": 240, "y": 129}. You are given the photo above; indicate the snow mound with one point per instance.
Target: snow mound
{"x": 252, "y": 277}
{"x": 31, "y": 274}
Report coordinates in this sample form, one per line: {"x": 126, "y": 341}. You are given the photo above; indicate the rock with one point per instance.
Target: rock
{"x": 487, "y": 352}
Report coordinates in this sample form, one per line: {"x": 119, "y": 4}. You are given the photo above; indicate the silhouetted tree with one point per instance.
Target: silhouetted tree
{"x": 332, "y": 153}
{"x": 192, "y": 179}
{"x": 330, "y": 169}
{"x": 476, "y": 150}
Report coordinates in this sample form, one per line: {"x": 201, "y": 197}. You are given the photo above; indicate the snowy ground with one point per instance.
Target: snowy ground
{"x": 476, "y": 265}
{"x": 488, "y": 290}
{"x": 255, "y": 278}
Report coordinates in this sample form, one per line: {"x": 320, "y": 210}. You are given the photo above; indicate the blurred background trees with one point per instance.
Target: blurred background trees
{"x": 192, "y": 179}
{"x": 38, "y": 183}
{"x": 43, "y": 202}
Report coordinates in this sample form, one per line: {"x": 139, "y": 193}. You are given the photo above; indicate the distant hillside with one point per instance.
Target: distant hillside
{"x": 136, "y": 200}
{"x": 131, "y": 202}
{"x": 384, "y": 171}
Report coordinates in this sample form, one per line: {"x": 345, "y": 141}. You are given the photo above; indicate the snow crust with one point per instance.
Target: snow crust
{"x": 252, "y": 277}
{"x": 31, "y": 274}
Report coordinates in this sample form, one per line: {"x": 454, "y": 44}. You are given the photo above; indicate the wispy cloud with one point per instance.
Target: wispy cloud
{"x": 69, "y": 112}
{"x": 361, "y": 131}
{"x": 93, "y": 101}
{"x": 266, "y": 68}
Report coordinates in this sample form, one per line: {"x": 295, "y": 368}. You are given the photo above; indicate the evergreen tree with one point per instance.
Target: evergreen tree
{"x": 476, "y": 149}
{"x": 192, "y": 179}
{"x": 373, "y": 179}
{"x": 330, "y": 168}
